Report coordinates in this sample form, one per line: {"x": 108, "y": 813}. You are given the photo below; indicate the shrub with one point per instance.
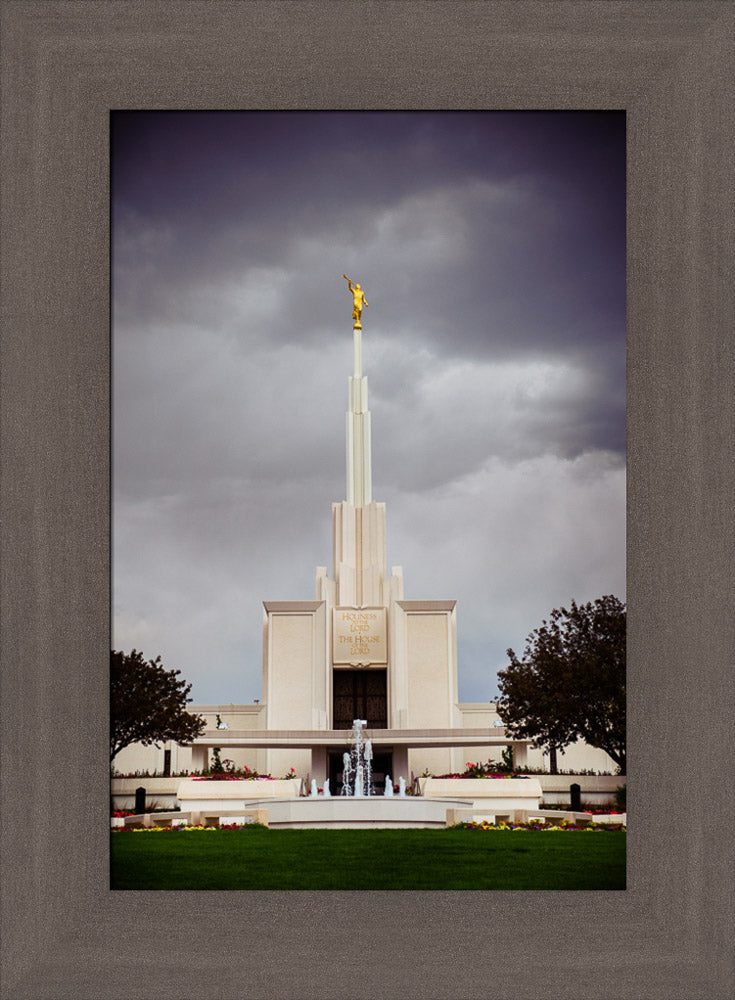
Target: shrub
{"x": 620, "y": 797}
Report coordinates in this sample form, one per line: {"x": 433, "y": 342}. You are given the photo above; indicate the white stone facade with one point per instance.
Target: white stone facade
{"x": 358, "y": 650}
{"x": 409, "y": 647}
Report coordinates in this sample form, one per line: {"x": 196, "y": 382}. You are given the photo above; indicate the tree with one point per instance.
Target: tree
{"x": 570, "y": 683}
{"x": 148, "y": 703}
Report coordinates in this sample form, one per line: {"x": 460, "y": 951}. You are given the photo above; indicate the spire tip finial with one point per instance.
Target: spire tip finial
{"x": 358, "y": 301}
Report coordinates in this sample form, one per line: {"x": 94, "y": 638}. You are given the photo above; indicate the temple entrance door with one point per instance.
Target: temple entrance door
{"x": 359, "y": 694}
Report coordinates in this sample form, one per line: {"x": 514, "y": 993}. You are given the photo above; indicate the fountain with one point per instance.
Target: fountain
{"x": 357, "y": 764}
{"x": 356, "y": 806}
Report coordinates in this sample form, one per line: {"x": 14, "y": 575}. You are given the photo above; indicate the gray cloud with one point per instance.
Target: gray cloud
{"x": 490, "y": 249}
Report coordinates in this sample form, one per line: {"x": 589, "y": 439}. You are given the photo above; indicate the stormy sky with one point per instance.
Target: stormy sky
{"x": 491, "y": 247}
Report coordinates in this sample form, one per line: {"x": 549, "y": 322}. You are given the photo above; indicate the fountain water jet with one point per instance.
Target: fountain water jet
{"x": 357, "y": 764}
{"x": 346, "y": 773}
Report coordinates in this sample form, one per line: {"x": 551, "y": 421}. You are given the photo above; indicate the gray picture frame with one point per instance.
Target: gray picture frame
{"x": 65, "y": 66}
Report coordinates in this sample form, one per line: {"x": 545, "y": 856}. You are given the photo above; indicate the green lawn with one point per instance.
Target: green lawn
{"x": 258, "y": 858}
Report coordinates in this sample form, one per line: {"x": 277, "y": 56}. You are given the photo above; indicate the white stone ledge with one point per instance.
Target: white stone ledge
{"x": 495, "y": 793}
{"x": 286, "y": 738}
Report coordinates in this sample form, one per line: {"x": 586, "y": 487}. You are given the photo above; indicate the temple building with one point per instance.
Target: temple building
{"x": 357, "y": 650}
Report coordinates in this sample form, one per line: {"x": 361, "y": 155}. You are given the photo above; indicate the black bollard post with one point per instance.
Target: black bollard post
{"x": 140, "y": 800}
{"x": 576, "y": 798}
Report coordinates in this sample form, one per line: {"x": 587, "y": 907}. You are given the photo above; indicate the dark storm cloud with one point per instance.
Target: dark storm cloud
{"x": 213, "y": 195}
{"x": 491, "y": 248}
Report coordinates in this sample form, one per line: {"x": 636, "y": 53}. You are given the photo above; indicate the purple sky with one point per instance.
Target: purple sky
{"x": 491, "y": 247}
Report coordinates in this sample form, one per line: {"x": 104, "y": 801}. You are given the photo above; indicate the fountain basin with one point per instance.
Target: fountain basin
{"x": 358, "y": 812}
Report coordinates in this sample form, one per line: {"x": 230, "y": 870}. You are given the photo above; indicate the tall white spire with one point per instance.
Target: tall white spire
{"x": 359, "y": 473}
{"x": 358, "y": 523}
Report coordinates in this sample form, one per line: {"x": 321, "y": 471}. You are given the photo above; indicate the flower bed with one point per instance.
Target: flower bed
{"x": 535, "y": 824}
{"x": 487, "y": 774}
{"x": 179, "y": 829}
{"x": 225, "y": 776}
{"x": 225, "y": 770}
{"x": 491, "y": 769}
{"x": 593, "y": 810}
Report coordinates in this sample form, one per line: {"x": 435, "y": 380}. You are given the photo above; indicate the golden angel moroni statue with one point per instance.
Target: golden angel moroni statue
{"x": 358, "y": 298}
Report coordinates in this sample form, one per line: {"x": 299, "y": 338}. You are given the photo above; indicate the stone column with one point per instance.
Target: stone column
{"x": 520, "y": 754}
{"x": 199, "y": 758}
{"x": 319, "y": 765}
{"x": 400, "y": 765}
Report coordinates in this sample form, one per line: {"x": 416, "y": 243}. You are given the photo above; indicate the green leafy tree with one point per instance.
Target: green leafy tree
{"x": 570, "y": 683}
{"x": 148, "y": 703}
